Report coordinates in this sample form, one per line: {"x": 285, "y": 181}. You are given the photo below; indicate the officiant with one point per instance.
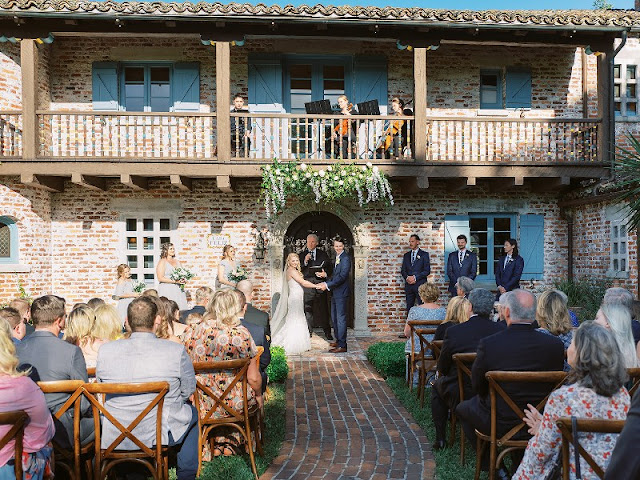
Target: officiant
{"x": 316, "y": 306}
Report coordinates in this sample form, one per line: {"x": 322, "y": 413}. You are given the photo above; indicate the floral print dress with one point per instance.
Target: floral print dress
{"x": 205, "y": 342}
{"x": 544, "y": 448}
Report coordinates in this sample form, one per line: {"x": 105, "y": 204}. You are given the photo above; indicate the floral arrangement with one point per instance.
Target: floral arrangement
{"x": 282, "y": 180}
{"x": 139, "y": 287}
{"x": 238, "y": 275}
{"x": 181, "y": 275}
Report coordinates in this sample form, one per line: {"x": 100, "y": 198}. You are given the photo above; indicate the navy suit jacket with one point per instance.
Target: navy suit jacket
{"x": 339, "y": 283}
{"x": 455, "y": 271}
{"x": 261, "y": 338}
{"x": 509, "y": 276}
{"x": 421, "y": 268}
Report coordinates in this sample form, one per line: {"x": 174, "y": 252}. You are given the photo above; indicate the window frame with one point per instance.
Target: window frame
{"x": 147, "y": 66}
{"x": 138, "y": 272}
{"x": 616, "y": 223}
{"x": 14, "y": 245}
{"x": 623, "y": 82}
{"x": 491, "y": 262}
{"x": 499, "y": 105}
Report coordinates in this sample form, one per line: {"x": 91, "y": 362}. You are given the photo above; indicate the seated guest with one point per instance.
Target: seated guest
{"x": 13, "y": 318}
{"x": 170, "y": 327}
{"x": 595, "y": 391}
{"x": 430, "y": 309}
{"x": 617, "y": 318}
{"x": 553, "y": 318}
{"x": 19, "y": 392}
{"x": 150, "y": 292}
{"x": 221, "y": 336}
{"x": 518, "y": 348}
{"x": 80, "y": 331}
{"x": 95, "y": 302}
{"x": 193, "y": 319}
{"x": 253, "y": 315}
{"x": 24, "y": 308}
{"x": 464, "y": 285}
{"x": 203, "y": 297}
{"x": 155, "y": 360}
{"x": 51, "y": 358}
{"x": 635, "y": 324}
{"x": 622, "y": 296}
{"x": 462, "y": 338}
{"x": 108, "y": 326}
{"x": 458, "y": 311}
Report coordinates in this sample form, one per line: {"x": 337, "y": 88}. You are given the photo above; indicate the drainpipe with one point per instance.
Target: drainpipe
{"x": 568, "y": 216}
{"x": 612, "y": 124}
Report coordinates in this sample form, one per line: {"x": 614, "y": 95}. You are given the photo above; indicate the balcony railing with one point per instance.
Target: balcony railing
{"x": 10, "y": 134}
{"x": 128, "y": 135}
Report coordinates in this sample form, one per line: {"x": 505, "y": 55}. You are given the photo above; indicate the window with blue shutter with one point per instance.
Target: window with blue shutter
{"x": 454, "y": 225}
{"x": 490, "y": 89}
{"x": 532, "y": 246}
{"x": 265, "y": 84}
{"x": 186, "y": 87}
{"x": 518, "y": 85}
{"x": 8, "y": 241}
{"x": 370, "y": 80}
{"x": 105, "y": 92}
{"x": 488, "y": 234}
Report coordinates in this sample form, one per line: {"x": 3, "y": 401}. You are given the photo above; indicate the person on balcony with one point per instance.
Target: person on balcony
{"x": 240, "y": 129}
{"x": 343, "y": 135}
{"x": 394, "y": 137}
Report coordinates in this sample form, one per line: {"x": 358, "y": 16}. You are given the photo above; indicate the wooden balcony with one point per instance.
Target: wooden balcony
{"x": 10, "y": 135}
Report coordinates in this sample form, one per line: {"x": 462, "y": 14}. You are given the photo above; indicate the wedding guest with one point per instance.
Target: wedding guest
{"x": 463, "y": 286}
{"x": 553, "y": 318}
{"x": 617, "y": 319}
{"x": 458, "y": 311}
{"x": 221, "y": 336}
{"x": 509, "y": 268}
{"x": 226, "y": 266}
{"x": 429, "y": 309}
{"x": 12, "y": 316}
{"x": 167, "y": 328}
{"x": 124, "y": 290}
{"x": 19, "y": 392}
{"x": 78, "y": 305}
{"x": 622, "y": 296}
{"x": 461, "y": 263}
{"x": 343, "y": 134}
{"x": 95, "y": 302}
{"x": 24, "y": 308}
{"x": 150, "y": 292}
{"x": 108, "y": 326}
{"x": 203, "y": 297}
{"x": 193, "y": 319}
{"x": 172, "y": 289}
{"x": 595, "y": 391}
{"x": 80, "y": 331}
{"x": 415, "y": 270}
{"x": 575, "y": 323}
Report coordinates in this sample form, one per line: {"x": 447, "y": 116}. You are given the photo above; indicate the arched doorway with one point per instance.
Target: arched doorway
{"x": 327, "y": 226}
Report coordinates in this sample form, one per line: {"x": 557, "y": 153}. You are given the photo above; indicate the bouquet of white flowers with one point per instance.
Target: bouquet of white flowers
{"x": 181, "y": 275}
{"x": 238, "y": 275}
{"x": 139, "y": 287}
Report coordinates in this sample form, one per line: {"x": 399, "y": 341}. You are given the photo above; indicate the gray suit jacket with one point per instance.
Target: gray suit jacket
{"x": 258, "y": 317}
{"x": 145, "y": 358}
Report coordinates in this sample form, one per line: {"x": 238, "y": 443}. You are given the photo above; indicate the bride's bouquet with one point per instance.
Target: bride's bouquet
{"x": 181, "y": 275}
{"x": 238, "y": 275}
{"x": 139, "y": 287}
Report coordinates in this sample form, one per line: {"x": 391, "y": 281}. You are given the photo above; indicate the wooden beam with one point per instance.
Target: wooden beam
{"x": 134, "y": 181}
{"x": 460, "y": 184}
{"x": 413, "y": 185}
{"x": 518, "y": 181}
{"x": 90, "y": 182}
{"x": 223, "y": 100}
{"x": 45, "y": 182}
{"x": 183, "y": 183}
{"x": 29, "y": 69}
{"x": 420, "y": 102}
{"x": 605, "y": 142}
{"x": 550, "y": 184}
{"x": 224, "y": 183}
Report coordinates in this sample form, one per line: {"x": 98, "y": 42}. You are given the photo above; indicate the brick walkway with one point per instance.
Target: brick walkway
{"x": 343, "y": 422}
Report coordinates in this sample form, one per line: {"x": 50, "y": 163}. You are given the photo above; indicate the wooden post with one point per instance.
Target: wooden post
{"x": 223, "y": 101}
{"x": 420, "y": 102}
{"x": 605, "y": 142}
{"x": 29, "y": 67}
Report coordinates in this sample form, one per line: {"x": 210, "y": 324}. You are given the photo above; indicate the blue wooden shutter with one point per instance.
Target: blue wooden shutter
{"x": 186, "y": 87}
{"x": 370, "y": 80}
{"x": 105, "y": 86}
{"x": 532, "y": 246}
{"x": 518, "y": 88}
{"x": 454, "y": 225}
{"x": 265, "y": 84}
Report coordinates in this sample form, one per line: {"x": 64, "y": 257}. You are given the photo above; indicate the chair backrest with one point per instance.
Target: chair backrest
{"x": 497, "y": 379}
{"x": 437, "y": 348}
{"x": 464, "y": 363}
{"x": 428, "y": 326}
{"x": 238, "y": 368}
{"x": 634, "y": 377}
{"x": 17, "y": 420}
{"x": 91, "y": 372}
{"x": 589, "y": 426}
{"x": 97, "y": 394}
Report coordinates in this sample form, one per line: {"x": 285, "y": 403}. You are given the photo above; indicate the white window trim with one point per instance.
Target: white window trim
{"x": 623, "y": 82}
{"x": 617, "y": 218}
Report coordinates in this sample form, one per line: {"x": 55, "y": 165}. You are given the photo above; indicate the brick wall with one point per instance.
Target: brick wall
{"x": 10, "y": 80}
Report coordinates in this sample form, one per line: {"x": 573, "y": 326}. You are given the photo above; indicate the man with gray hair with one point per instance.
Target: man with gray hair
{"x": 316, "y": 302}
{"x": 518, "y": 348}
{"x": 464, "y": 285}
{"x": 622, "y": 296}
{"x": 461, "y": 338}
{"x": 203, "y": 297}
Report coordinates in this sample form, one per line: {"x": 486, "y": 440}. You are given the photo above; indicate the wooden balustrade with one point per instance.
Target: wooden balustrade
{"x": 10, "y": 134}
{"x": 128, "y": 135}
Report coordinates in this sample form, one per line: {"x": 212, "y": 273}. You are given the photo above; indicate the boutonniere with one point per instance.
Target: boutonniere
{"x": 510, "y": 260}
{"x": 418, "y": 257}
{"x": 337, "y": 261}
{"x": 466, "y": 254}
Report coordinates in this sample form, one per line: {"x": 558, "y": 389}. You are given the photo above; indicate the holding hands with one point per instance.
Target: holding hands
{"x": 533, "y": 418}
{"x": 321, "y": 286}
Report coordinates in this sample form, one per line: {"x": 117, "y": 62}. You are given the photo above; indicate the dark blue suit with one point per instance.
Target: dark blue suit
{"x": 421, "y": 268}
{"x": 340, "y": 291}
{"x": 509, "y": 276}
{"x": 455, "y": 271}
{"x": 260, "y": 338}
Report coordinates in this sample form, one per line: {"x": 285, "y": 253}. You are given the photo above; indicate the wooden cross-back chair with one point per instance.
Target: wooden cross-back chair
{"x": 415, "y": 357}
{"x": 70, "y": 459}
{"x": 586, "y": 426}
{"x": 221, "y": 414}
{"x": 426, "y": 363}
{"x": 16, "y": 421}
{"x": 507, "y": 442}
{"x": 154, "y": 458}
{"x": 464, "y": 363}
{"x": 634, "y": 379}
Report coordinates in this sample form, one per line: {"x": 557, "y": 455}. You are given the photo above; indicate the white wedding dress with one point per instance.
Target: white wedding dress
{"x": 289, "y": 327}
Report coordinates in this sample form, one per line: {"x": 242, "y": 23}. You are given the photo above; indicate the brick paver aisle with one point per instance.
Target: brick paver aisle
{"x": 343, "y": 422}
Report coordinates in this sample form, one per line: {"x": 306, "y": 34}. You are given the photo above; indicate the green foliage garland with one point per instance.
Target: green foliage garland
{"x": 283, "y": 180}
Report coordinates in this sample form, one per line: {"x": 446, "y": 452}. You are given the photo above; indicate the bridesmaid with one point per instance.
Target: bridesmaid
{"x": 226, "y": 266}
{"x": 124, "y": 290}
{"x": 169, "y": 288}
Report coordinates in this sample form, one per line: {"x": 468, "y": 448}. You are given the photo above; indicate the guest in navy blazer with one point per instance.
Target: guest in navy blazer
{"x": 509, "y": 268}
{"x": 461, "y": 263}
{"x": 415, "y": 270}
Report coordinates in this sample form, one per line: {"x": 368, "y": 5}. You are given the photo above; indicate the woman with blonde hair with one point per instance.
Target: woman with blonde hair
{"x": 170, "y": 327}
{"x": 617, "y": 319}
{"x": 19, "y": 392}
{"x": 226, "y": 266}
{"x": 221, "y": 336}
{"x": 80, "y": 330}
{"x": 108, "y": 326}
{"x": 124, "y": 293}
{"x": 458, "y": 311}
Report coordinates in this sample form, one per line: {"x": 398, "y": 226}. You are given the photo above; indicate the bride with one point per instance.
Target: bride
{"x": 289, "y": 327}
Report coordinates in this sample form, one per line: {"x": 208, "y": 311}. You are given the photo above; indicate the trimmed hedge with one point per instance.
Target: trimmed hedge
{"x": 278, "y": 369}
{"x": 388, "y": 358}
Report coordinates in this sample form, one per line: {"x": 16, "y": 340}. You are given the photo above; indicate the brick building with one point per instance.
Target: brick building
{"x": 115, "y": 137}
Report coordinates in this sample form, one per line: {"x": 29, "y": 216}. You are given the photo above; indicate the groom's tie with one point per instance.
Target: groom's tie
{"x": 413, "y": 257}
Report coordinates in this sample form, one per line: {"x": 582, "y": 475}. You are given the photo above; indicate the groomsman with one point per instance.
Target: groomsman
{"x": 461, "y": 263}
{"x": 415, "y": 270}
{"x": 312, "y": 261}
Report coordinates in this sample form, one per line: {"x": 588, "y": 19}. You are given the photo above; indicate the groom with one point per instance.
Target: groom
{"x": 338, "y": 285}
